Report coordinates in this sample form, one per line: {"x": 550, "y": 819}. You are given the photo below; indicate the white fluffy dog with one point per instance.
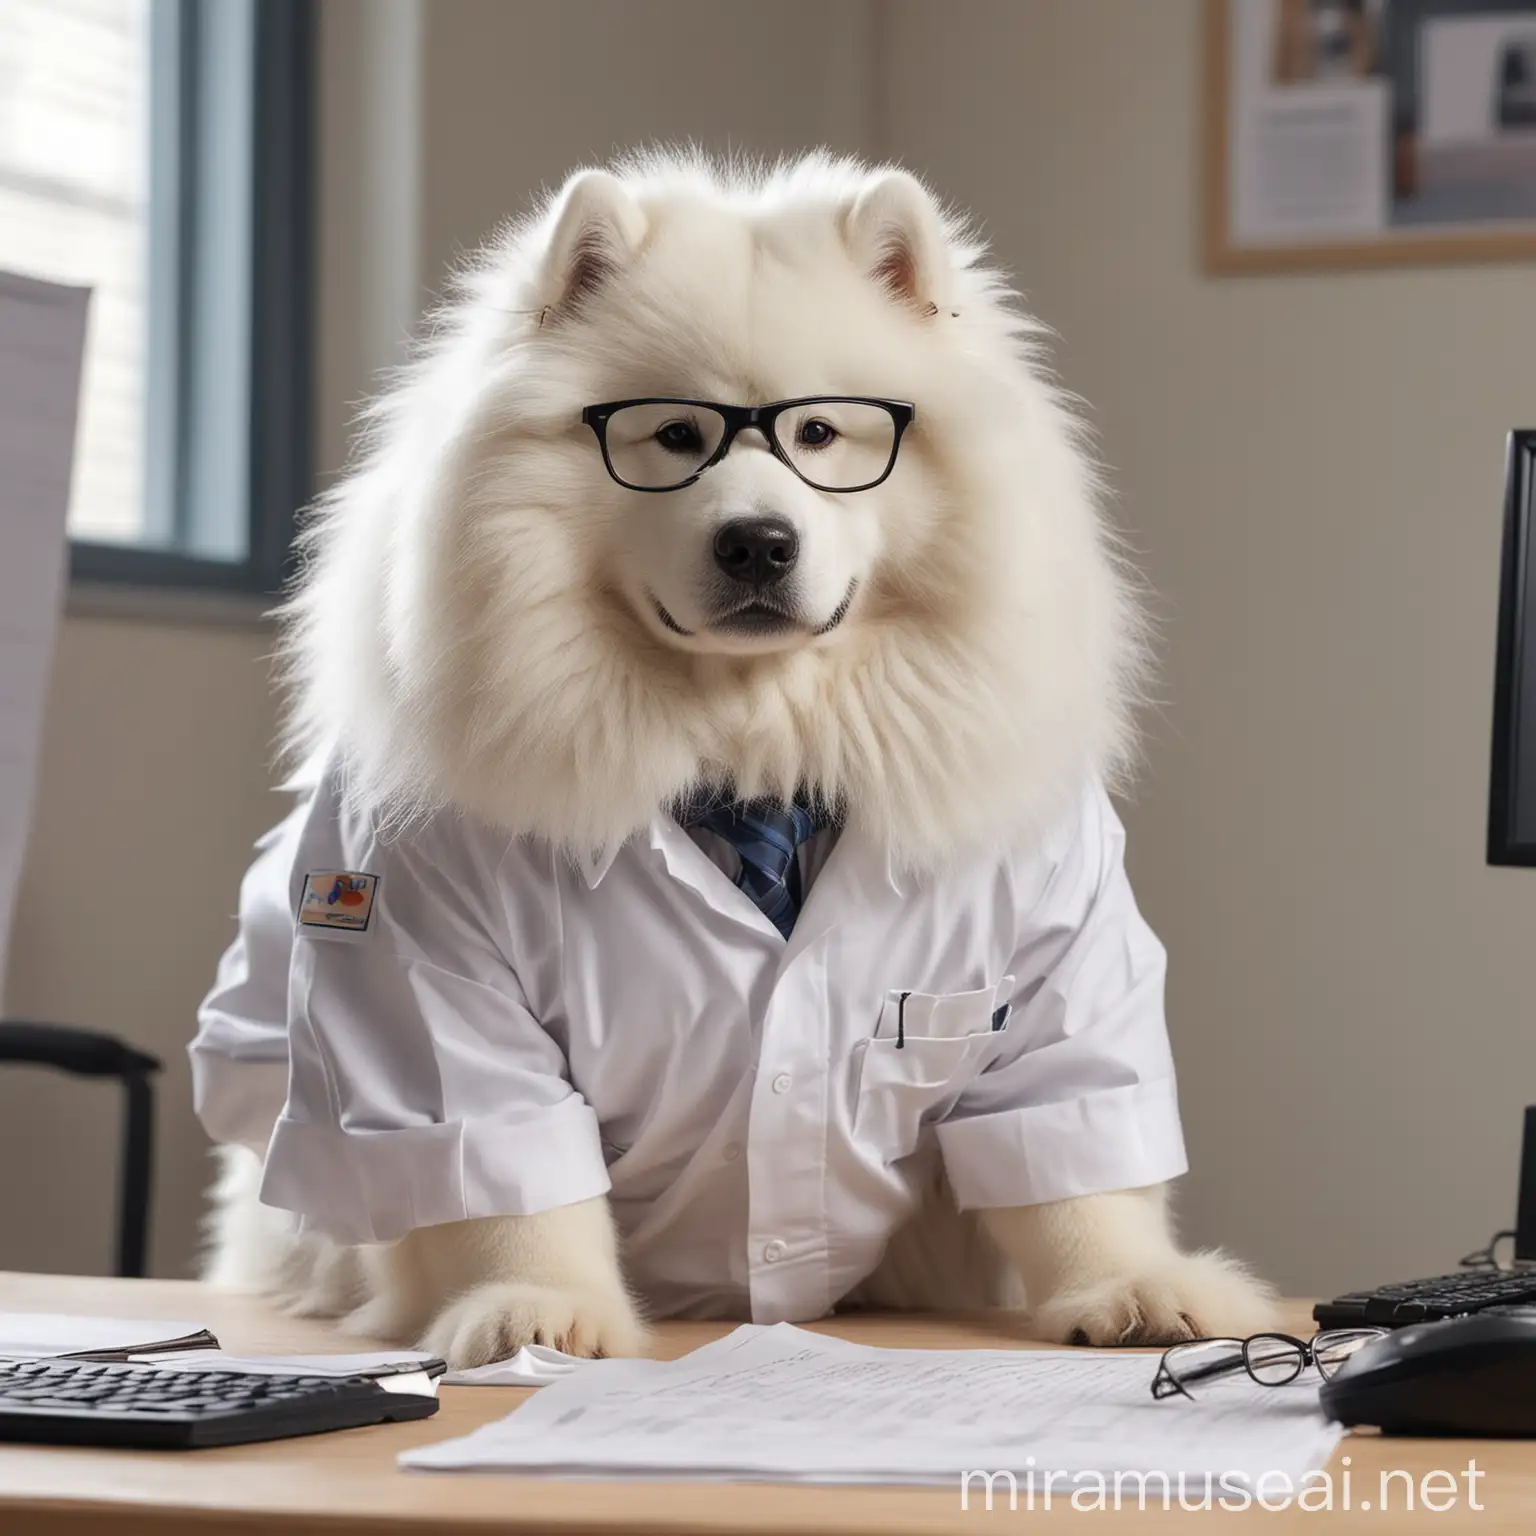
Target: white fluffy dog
{"x": 488, "y": 623}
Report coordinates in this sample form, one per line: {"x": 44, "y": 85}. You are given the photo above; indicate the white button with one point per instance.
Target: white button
{"x": 731, "y": 1151}
{"x": 783, "y": 1083}
{"x": 775, "y": 1251}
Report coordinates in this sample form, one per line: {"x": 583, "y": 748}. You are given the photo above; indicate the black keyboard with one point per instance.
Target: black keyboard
{"x": 83, "y": 1402}
{"x": 1427, "y": 1301}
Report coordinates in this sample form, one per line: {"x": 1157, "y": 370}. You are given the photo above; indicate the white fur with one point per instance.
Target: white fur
{"x": 468, "y": 629}
{"x": 477, "y": 628}
{"x": 253, "y": 1247}
{"x": 1104, "y": 1269}
{"x": 548, "y": 1279}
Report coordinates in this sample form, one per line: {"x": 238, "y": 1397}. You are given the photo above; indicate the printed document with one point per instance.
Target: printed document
{"x": 783, "y": 1404}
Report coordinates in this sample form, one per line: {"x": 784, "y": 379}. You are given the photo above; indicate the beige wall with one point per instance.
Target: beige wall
{"x": 153, "y": 784}
{"x": 519, "y": 92}
{"x": 1313, "y": 468}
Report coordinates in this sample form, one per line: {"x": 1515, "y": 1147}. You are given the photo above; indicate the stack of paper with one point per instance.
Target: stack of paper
{"x": 783, "y": 1404}
{"x": 534, "y": 1365}
{"x": 399, "y": 1371}
{"x": 33, "y": 1335}
{"x": 398, "y": 1362}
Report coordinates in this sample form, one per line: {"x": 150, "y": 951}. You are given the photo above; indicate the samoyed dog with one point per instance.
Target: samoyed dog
{"x": 846, "y": 552}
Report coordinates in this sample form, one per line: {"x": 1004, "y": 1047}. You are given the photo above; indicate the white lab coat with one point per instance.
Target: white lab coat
{"x": 512, "y": 1033}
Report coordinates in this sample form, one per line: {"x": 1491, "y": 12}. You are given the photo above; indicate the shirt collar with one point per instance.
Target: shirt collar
{"x": 664, "y": 829}
{"x": 594, "y": 866}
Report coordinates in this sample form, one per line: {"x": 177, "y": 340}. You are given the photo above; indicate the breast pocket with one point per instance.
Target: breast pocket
{"x": 926, "y": 1047}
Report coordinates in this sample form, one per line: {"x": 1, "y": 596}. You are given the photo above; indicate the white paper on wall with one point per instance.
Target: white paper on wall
{"x": 42, "y": 340}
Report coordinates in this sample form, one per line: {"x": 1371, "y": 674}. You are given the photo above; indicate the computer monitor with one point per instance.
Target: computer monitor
{"x": 1512, "y": 788}
{"x": 1525, "y": 1210}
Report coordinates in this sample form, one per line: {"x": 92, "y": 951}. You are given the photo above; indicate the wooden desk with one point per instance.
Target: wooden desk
{"x": 346, "y": 1484}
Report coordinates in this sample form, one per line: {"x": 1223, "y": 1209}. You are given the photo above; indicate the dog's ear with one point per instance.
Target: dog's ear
{"x": 894, "y": 230}
{"x": 598, "y": 229}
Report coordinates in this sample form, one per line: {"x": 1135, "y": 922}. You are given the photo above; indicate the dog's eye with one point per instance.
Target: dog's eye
{"x": 815, "y": 433}
{"x": 679, "y": 437}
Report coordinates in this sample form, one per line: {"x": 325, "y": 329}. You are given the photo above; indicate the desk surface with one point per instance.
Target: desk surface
{"x": 346, "y": 1484}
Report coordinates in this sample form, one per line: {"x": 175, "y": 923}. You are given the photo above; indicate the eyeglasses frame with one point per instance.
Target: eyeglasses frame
{"x": 1165, "y": 1384}
{"x": 740, "y": 417}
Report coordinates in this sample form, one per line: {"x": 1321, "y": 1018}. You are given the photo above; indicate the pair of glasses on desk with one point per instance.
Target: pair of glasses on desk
{"x": 1271, "y": 1359}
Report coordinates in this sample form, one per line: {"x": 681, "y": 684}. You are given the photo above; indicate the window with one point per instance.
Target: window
{"x": 159, "y": 151}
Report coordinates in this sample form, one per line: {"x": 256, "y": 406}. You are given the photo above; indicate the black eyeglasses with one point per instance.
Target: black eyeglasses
{"x": 833, "y": 442}
{"x": 1271, "y": 1359}
{"x": 1497, "y": 1253}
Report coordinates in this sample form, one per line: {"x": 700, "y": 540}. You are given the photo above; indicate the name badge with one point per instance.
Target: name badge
{"x": 340, "y": 901}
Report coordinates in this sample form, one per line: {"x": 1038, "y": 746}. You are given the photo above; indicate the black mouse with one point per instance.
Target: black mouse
{"x": 1467, "y": 1376}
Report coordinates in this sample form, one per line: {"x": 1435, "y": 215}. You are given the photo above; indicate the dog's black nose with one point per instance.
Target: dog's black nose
{"x": 757, "y": 550}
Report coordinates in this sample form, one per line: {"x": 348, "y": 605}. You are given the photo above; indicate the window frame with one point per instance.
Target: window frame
{"x": 270, "y": 284}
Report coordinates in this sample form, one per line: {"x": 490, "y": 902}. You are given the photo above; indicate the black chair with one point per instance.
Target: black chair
{"x": 85, "y": 1053}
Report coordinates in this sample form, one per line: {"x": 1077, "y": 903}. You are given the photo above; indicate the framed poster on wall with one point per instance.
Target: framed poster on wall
{"x": 1369, "y": 132}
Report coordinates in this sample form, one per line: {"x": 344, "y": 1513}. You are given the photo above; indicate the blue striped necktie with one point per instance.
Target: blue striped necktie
{"x": 766, "y": 834}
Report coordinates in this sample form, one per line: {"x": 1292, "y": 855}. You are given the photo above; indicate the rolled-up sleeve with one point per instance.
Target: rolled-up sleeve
{"x": 422, "y": 1089}
{"x": 1079, "y": 1097}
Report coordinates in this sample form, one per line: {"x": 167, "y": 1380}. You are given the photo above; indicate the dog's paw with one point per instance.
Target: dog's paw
{"x": 1194, "y": 1296}
{"x": 494, "y": 1321}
